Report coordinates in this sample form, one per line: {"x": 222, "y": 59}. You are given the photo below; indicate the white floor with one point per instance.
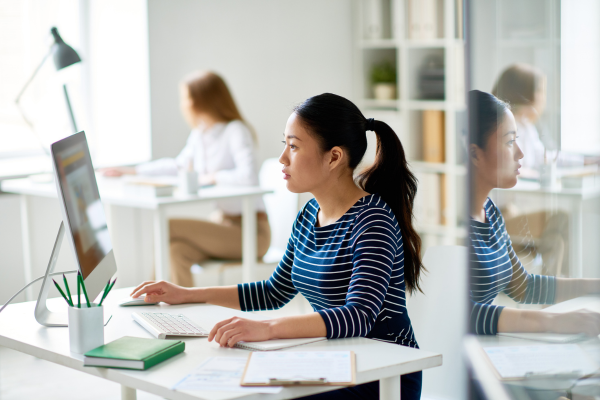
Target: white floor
{"x": 23, "y": 377}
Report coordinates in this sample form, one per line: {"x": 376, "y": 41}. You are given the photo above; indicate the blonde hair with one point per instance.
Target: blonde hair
{"x": 209, "y": 93}
{"x": 518, "y": 84}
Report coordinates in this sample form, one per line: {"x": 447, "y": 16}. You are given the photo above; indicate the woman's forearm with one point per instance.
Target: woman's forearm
{"x": 567, "y": 288}
{"x": 515, "y": 320}
{"x": 225, "y": 296}
{"x": 299, "y": 326}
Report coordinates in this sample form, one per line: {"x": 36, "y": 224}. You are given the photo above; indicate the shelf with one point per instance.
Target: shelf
{"x": 431, "y": 43}
{"x": 378, "y": 44}
{"x": 426, "y": 104}
{"x": 425, "y": 43}
{"x": 439, "y": 168}
{"x": 380, "y": 104}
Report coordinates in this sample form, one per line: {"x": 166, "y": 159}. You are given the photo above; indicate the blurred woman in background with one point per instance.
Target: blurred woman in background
{"x": 221, "y": 149}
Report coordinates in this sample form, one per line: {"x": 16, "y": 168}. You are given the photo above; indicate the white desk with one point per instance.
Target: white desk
{"x": 374, "y": 360}
{"x": 570, "y": 199}
{"x": 591, "y": 346}
{"x": 21, "y": 167}
{"x": 112, "y": 194}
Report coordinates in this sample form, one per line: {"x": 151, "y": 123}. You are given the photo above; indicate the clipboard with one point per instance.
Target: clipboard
{"x": 307, "y": 359}
{"x": 548, "y": 361}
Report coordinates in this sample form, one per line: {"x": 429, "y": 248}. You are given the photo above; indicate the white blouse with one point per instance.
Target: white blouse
{"x": 533, "y": 149}
{"x": 225, "y": 150}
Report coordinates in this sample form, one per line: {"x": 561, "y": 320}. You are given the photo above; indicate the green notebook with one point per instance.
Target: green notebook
{"x": 133, "y": 353}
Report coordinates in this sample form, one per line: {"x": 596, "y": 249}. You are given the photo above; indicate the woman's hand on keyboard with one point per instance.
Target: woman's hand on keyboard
{"x": 166, "y": 292}
{"x": 230, "y": 331}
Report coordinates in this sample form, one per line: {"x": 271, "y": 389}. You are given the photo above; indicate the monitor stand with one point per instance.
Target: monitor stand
{"x": 42, "y": 314}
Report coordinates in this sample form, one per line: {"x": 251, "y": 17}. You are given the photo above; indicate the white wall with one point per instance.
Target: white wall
{"x": 272, "y": 53}
{"x": 580, "y": 85}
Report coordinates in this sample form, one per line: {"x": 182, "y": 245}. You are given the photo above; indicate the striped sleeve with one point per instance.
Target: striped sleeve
{"x": 374, "y": 248}
{"x": 527, "y": 288}
{"x": 484, "y": 318}
{"x": 274, "y": 292}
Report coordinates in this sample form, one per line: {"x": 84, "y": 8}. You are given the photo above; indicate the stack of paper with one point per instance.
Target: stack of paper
{"x": 518, "y": 362}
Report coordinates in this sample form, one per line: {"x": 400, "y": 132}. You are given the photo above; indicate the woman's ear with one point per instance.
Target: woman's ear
{"x": 475, "y": 154}
{"x": 336, "y": 156}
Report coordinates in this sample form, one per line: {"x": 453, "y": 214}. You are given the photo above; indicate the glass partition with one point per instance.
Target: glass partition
{"x": 534, "y": 187}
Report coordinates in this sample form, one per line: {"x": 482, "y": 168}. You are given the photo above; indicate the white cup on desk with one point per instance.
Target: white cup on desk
{"x": 86, "y": 328}
{"x": 188, "y": 178}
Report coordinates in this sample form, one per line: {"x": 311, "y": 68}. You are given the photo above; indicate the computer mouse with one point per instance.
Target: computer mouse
{"x": 129, "y": 301}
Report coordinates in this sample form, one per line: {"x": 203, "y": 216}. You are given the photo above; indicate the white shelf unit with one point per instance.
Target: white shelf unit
{"x": 407, "y": 55}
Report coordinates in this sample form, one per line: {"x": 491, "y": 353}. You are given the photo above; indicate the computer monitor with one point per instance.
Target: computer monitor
{"x": 83, "y": 212}
{"x": 84, "y": 222}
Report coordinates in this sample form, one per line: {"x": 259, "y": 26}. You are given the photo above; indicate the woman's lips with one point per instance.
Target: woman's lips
{"x": 285, "y": 176}
{"x": 517, "y": 170}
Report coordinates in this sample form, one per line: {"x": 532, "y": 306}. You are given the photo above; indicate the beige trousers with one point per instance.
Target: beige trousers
{"x": 194, "y": 241}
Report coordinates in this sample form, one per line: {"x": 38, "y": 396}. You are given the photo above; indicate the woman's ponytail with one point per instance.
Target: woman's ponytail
{"x": 390, "y": 177}
{"x": 336, "y": 121}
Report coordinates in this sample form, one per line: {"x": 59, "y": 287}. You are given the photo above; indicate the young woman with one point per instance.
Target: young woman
{"x": 221, "y": 150}
{"x": 524, "y": 87}
{"x": 495, "y": 158}
{"x": 353, "y": 252}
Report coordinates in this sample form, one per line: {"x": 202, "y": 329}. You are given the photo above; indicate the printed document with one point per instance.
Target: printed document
{"x": 220, "y": 374}
{"x": 513, "y": 362}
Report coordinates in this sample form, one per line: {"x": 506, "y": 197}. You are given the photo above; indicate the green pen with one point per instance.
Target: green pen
{"x": 60, "y": 291}
{"x": 87, "y": 300}
{"x": 78, "y": 291}
{"x": 70, "y": 300}
{"x": 105, "y": 292}
{"x": 109, "y": 289}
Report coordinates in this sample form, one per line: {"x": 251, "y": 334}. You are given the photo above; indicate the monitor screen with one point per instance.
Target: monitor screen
{"x": 82, "y": 202}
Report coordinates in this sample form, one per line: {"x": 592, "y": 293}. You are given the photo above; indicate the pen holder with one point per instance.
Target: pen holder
{"x": 86, "y": 328}
{"x": 188, "y": 182}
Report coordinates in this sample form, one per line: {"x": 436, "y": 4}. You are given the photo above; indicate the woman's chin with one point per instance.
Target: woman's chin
{"x": 509, "y": 183}
{"x": 292, "y": 188}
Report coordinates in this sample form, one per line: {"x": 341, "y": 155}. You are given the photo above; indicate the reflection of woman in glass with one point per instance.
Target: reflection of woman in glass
{"x": 495, "y": 160}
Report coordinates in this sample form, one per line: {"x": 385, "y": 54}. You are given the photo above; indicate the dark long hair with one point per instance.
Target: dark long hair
{"x": 336, "y": 121}
{"x": 486, "y": 112}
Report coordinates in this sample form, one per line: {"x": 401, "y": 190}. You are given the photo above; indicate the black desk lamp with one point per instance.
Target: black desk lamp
{"x": 64, "y": 56}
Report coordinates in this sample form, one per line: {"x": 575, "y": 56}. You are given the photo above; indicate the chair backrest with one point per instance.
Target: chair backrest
{"x": 281, "y": 205}
{"x": 438, "y": 316}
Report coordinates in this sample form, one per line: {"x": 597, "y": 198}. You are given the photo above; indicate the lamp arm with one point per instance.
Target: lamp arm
{"x": 18, "y": 99}
{"x": 33, "y": 76}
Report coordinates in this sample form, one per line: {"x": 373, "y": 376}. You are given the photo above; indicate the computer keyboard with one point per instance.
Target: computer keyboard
{"x": 161, "y": 325}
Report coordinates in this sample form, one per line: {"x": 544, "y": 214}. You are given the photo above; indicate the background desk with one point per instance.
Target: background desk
{"x": 529, "y": 196}
{"x": 113, "y": 194}
{"x": 375, "y": 360}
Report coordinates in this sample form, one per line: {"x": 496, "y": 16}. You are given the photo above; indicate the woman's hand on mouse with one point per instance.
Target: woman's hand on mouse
{"x": 166, "y": 292}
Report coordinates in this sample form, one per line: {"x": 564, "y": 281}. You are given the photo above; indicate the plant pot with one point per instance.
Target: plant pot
{"x": 384, "y": 91}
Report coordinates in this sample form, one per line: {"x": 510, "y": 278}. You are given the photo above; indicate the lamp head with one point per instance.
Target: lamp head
{"x": 64, "y": 55}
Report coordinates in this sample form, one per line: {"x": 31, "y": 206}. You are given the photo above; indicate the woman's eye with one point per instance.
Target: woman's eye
{"x": 283, "y": 141}
{"x": 292, "y": 146}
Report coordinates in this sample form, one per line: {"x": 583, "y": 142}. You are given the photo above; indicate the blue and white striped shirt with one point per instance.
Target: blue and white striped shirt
{"x": 495, "y": 267}
{"x": 351, "y": 272}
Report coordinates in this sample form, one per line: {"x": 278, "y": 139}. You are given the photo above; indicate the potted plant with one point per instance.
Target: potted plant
{"x": 383, "y": 79}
